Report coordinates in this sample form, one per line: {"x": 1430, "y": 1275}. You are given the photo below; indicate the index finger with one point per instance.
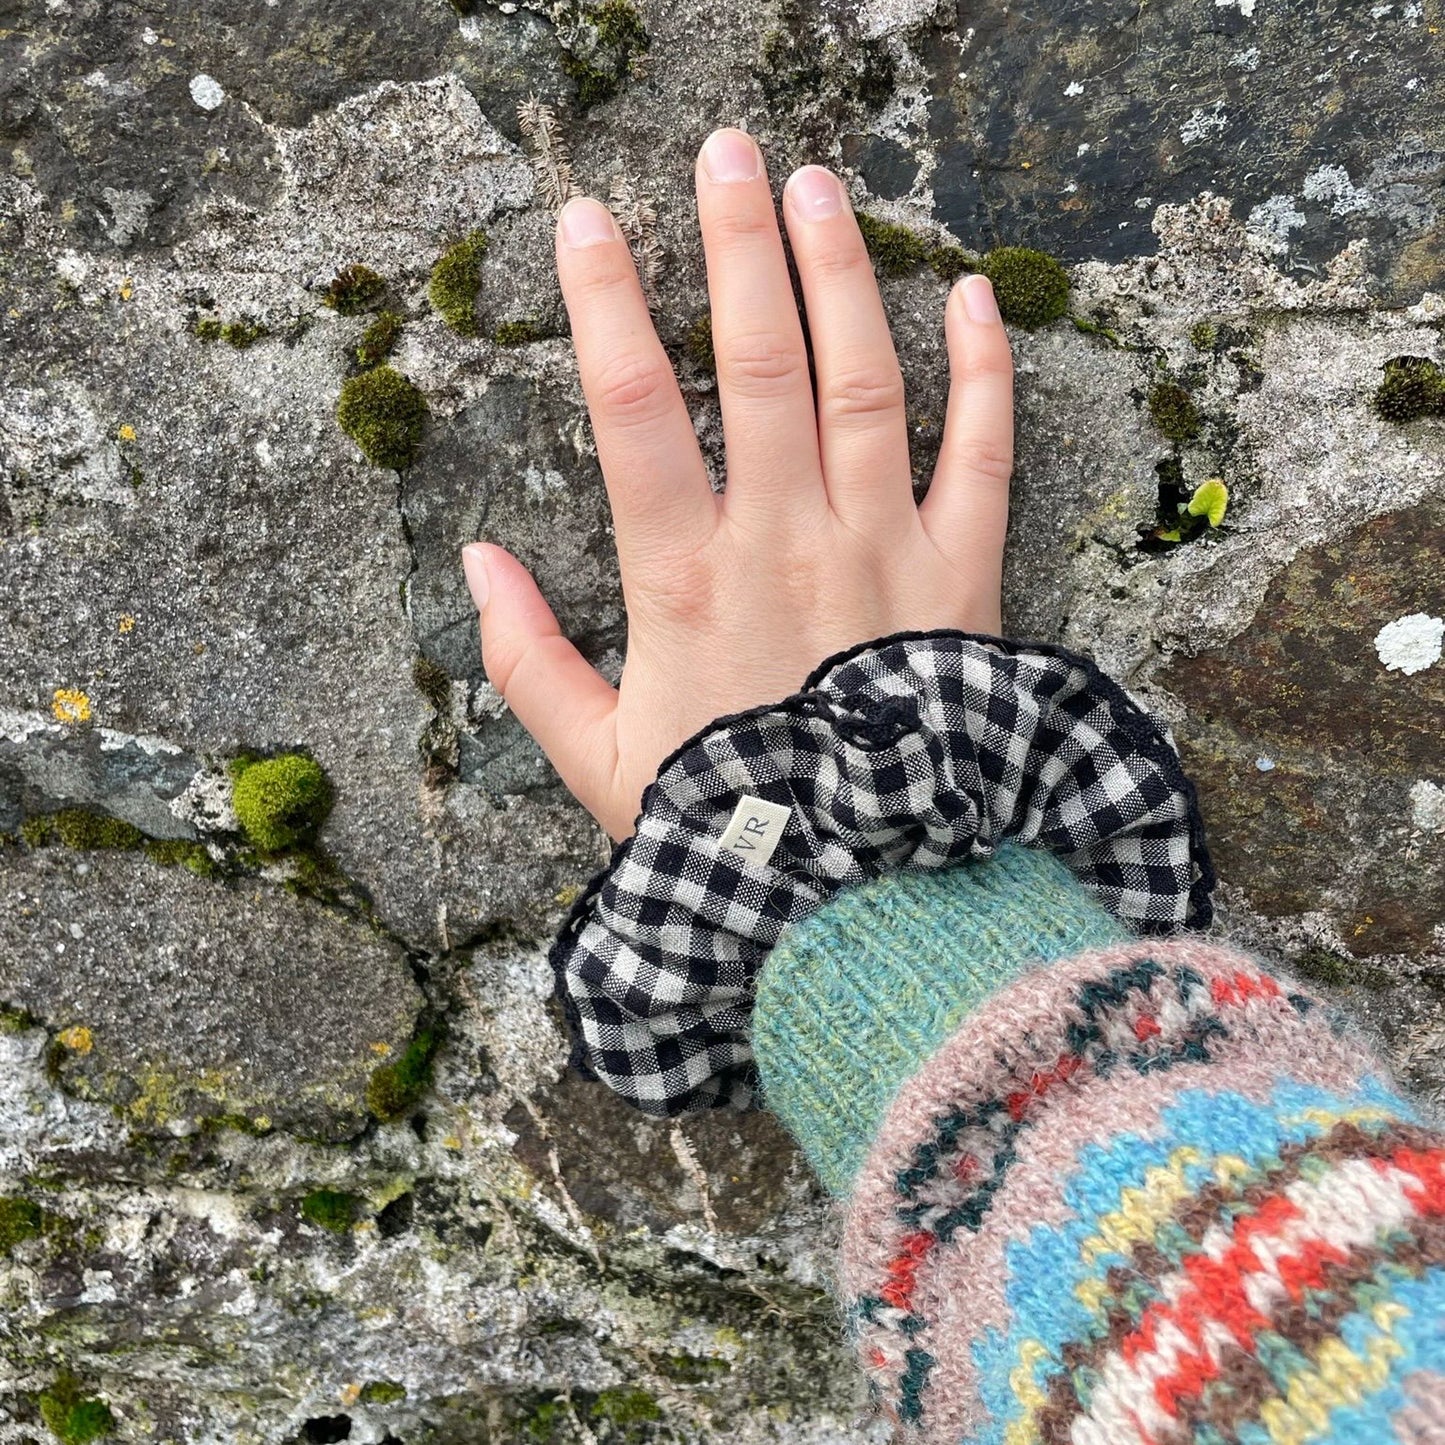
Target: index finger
{"x": 650, "y": 459}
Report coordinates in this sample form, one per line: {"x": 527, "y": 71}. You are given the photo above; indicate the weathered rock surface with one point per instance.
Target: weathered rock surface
{"x": 196, "y": 566}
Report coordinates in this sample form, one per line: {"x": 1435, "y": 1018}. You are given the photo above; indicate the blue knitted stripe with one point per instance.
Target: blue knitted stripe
{"x": 1045, "y": 1270}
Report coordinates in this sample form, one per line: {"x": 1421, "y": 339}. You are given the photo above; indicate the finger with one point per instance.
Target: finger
{"x": 645, "y": 442}
{"x": 557, "y": 695}
{"x": 862, "y": 428}
{"x": 966, "y": 509}
{"x": 762, "y": 364}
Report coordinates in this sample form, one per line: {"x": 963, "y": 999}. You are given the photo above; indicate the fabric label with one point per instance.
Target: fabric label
{"x": 755, "y": 829}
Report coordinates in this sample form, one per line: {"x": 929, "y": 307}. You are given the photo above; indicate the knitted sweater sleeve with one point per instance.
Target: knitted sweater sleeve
{"x": 1103, "y": 1182}
{"x": 1102, "y": 1190}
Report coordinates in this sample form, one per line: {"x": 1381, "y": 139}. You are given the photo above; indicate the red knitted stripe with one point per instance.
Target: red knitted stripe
{"x": 1217, "y": 1290}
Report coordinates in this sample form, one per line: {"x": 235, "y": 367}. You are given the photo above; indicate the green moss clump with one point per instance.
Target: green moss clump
{"x": 240, "y": 334}
{"x": 382, "y": 412}
{"x": 1173, "y": 411}
{"x": 950, "y": 262}
{"x": 331, "y": 1209}
{"x": 281, "y": 802}
{"x": 895, "y": 249}
{"x": 698, "y": 343}
{"x": 455, "y": 280}
{"x": 20, "y": 1219}
{"x": 81, "y": 829}
{"x": 1032, "y": 289}
{"x": 354, "y": 289}
{"x": 394, "y": 1088}
{"x": 517, "y": 333}
{"x": 70, "y": 1417}
{"x": 619, "y": 26}
{"x": 379, "y": 339}
{"x": 1204, "y": 336}
{"x": 382, "y": 1392}
{"x": 1413, "y": 387}
{"x": 626, "y": 1407}
{"x": 179, "y": 852}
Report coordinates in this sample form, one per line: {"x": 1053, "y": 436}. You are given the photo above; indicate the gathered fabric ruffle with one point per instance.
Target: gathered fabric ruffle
{"x": 919, "y": 751}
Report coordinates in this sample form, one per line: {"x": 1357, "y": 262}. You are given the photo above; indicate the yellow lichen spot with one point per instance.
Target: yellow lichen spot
{"x": 70, "y": 705}
{"x": 262, "y": 1122}
{"x": 125, "y": 624}
{"x": 451, "y": 1142}
{"x": 126, "y": 433}
{"x": 77, "y": 1038}
{"x": 127, "y": 289}
{"x": 567, "y": 895}
{"x": 349, "y": 1394}
{"x": 1026, "y": 165}
{"x": 380, "y": 1047}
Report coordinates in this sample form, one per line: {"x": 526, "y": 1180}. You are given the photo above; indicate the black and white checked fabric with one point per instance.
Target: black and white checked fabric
{"x": 915, "y": 752}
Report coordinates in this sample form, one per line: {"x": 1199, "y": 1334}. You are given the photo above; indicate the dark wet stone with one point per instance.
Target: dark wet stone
{"x": 620, "y": 1166}
{"x": 1184, "y": 96}
{"x": 888, "y": 168}
{"x": 1329, "y": 825}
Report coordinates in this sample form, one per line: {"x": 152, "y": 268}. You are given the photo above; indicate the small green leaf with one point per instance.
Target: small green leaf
{"x": 1210, "y": 501}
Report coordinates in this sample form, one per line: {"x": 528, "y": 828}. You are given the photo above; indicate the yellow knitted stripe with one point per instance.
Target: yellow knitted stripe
{"x": 1337, "y": 1377}
{"x": 1025, "y": 1430}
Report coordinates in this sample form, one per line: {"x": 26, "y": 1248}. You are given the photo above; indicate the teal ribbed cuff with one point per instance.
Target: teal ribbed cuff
{"x": 855, "y": 998}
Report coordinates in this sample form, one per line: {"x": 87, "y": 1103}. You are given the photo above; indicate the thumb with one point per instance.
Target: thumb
{"x": 557, "y": 695}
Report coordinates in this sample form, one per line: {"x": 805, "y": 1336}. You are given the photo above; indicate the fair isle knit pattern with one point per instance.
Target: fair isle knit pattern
{"x": 1150, "y": 1194}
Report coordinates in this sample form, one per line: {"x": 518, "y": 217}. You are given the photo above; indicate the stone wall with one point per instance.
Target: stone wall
{"x": 287, "y": 1149}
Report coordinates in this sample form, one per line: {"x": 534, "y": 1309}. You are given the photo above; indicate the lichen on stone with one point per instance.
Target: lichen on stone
{"x": 383, "y": 413}
{"x": 1032, "y": 288}
{"x": 456, "y": 278}
{"x": 354, "y": 289}
{"x": 281, "y": 802}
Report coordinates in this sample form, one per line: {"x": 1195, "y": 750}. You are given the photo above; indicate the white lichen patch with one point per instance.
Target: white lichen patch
{"x": 1412, "y": 643}
{"x": 207, "y": 92}
{"x": 205, "y": 802}
{"x": 1427, "y": 806}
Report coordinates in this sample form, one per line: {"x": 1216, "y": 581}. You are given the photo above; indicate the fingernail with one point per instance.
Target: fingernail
{"x": 476, "y": 569}
{"x": 816, "y": 193}
{"x": 729, "y": 155}
{"x": 978, "y": 300}
{"x": 585, "y": 222}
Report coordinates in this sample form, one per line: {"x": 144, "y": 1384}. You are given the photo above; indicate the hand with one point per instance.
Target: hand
{"x": 816, "y": 543}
